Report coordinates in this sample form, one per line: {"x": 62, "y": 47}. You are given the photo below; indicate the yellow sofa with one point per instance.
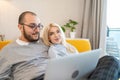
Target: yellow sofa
{"x": 3, "y": 43}
{"x": 80, "y": 44}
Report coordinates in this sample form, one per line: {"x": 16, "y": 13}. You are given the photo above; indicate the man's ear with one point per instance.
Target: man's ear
{"x": 20, "y": 27}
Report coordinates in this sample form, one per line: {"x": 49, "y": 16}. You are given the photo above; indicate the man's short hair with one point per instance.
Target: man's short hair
{"x": 21, "y": 17}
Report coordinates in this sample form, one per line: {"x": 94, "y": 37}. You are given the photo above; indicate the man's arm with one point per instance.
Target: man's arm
{"x": 5, "y": 66}
{"x": 5, "y": 69}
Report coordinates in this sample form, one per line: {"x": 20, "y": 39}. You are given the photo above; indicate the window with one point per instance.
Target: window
{"x": 113, "y": 28}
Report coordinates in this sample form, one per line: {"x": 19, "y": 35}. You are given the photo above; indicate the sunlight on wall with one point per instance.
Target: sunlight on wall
{"x": 8, "y": 13}
{"x": 4, "y": 3}
{"x": 4, "y": 6}
{"x": 113, "y": 13}
{"x": 7, "y": 10}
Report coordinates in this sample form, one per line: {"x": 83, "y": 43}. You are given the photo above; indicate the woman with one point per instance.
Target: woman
{"x": 54, "y": 37}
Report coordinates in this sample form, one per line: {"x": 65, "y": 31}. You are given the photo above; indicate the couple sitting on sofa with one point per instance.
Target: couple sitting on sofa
{"x": 26, "y": 58}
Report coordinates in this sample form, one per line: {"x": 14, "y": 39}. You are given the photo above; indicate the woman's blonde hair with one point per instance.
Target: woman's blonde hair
{"x": 45, "y": 37}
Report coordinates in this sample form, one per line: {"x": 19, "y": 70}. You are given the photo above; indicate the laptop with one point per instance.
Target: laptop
{"x": 73, "y": 67}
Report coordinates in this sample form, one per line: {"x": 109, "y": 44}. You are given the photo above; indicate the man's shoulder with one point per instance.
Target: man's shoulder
{"x": 10, "y": 45}
{"x": 41, "y": 42}
{"x": 8, "y": 48}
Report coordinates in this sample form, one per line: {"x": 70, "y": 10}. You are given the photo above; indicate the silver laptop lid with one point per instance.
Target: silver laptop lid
{"x": 73, "y": 67}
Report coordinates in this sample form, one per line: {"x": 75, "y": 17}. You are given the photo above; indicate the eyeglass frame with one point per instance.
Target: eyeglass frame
{"x": 33, "y": 25}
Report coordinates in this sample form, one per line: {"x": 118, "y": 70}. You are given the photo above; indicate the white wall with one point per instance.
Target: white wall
{"x": 59, "y": 11}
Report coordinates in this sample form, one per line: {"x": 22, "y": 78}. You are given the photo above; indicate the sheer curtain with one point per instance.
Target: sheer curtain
{"x": 91, "y": 22}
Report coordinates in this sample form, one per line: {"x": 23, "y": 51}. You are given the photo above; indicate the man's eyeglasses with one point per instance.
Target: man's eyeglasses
{"x": 33, "y": 25}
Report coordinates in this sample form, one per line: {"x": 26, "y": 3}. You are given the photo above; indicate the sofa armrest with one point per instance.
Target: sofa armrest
{"x": 4, "y": 43}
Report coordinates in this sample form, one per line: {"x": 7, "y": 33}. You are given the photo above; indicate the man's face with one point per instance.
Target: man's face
{"x": 31, "y": 28}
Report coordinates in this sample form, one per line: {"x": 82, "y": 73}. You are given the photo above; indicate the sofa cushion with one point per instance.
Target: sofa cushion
{"x": 80, "y": 44}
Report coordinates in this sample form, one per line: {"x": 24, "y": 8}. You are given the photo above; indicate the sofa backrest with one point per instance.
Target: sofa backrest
{"x": 80, "y": 44}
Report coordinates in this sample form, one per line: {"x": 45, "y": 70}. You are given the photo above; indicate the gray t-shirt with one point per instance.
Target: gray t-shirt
{"x": 23, "y": 62}
{"x": 59, "y": 50}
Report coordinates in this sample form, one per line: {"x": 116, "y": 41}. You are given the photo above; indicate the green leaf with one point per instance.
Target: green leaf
{"x": 70, "y": 24}
{"x": 63, "y": 28}
{"x": 72, "y": 29}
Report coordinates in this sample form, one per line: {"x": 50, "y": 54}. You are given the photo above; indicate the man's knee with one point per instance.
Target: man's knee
{"x": 107, "y": 69}
{"x": 109, "y": 60}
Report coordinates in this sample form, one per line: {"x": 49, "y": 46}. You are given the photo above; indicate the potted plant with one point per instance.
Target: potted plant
{"x": 70, "y": 25}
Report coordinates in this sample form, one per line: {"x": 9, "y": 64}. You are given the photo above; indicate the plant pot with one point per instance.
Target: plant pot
{"x": 72, "y": 34}
{"x": 67, "y": 33}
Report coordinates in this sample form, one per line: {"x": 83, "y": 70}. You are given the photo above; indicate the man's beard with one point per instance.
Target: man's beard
{"x": 29, "y": 38}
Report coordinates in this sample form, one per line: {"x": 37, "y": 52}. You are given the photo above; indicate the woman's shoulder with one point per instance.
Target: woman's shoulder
{"x": 71, "y": 48}
{"x": 58, "y": 46}
{"x": 69, "y": 45}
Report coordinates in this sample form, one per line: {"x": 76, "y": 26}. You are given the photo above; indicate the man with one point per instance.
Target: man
{"x": 26, "y": 58}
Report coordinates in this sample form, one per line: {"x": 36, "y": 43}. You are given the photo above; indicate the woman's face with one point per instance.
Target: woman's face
{"x": 54, "y": 35}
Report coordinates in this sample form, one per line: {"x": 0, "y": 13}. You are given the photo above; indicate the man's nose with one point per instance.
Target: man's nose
{"x": 37, "y": 29}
